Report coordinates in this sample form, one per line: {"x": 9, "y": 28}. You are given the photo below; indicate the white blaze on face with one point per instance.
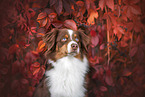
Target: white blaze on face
{"x": 69, "y": 48}
{"x": 70, "y": 33}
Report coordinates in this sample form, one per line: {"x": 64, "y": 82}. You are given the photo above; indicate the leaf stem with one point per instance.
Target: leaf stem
{"x": 108, "y": 38}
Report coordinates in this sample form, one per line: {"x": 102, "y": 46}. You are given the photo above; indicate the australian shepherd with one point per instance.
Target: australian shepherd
{"x": 68, "y": 64}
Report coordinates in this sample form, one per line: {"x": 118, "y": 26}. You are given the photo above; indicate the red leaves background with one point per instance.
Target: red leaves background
{"x": 116, "y": 52}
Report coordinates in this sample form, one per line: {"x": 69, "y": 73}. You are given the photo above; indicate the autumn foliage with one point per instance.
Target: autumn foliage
{"x": 116, "y": 52}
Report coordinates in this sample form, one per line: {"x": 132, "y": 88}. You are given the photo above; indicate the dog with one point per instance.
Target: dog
{"x": 67, "y": 54}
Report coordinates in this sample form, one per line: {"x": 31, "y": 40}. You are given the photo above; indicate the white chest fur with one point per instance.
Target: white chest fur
{"x": 67, "y": 78}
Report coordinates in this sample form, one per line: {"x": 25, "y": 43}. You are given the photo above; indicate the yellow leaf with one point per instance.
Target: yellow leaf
{"x": 91, "y": 19}
{"x": 42, "y": 46}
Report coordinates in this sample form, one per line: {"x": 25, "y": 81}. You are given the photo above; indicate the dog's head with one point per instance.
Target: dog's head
{"x": 65, "y": 42}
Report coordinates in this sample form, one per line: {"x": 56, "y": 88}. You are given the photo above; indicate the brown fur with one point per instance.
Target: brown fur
{"x": 85, "y": 41}
{"x": 42, "y": 89}
{"x": 61, "y": 53}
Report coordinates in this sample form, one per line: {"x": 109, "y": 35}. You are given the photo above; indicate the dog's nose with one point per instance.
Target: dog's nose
{"x": 74, "y": 46}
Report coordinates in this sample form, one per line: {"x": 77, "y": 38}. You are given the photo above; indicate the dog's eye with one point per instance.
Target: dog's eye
{"x": 64, "y": 39}
{"x": 77, "y": 39}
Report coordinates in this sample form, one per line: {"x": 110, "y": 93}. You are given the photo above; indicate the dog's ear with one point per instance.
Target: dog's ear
{"x": 85, "y": 40}
{"x": 50, "y": 40}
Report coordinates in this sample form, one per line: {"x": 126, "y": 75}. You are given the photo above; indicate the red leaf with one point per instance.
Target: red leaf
{"x": 35, "y": 53}
{"x": 67, "y": 6}
{"x": 108, "y": 78}
{"x": 115, "y": 30}
{"x": 41, "y": 15}
{"x": 32, "y": 12}
{"x": 102, "y": 4}
{"x": 43, "y": 22}
{"x": 57, "y": 24}
{"x": 35, "y": 68}
{"x": 120, "y": 30}
{"x": 133, "y": 51}
{"x": 100, "y": 38}
{"x": 95, "y": 40}
{"x": 58, "y": 7}
{"x": 35, "y": 65}
{"x": 93, "y": 33}
{"x": 33, "y": 29}
{"x": 124, "y": 17}
{"x": 48, "y": 10}
{"x": 48, "y": 24}
{"x": 87, "y": 3}
{"x": 113, "y": 19}
{"x": 126, "y": 72}
{"x": 36, "y": 71}
{"x": 94, "y": 60}
{"x": 43, "y": 69}
{"x": 52, "y": 2}
{"x": 128, "y": 12}
{"x": 102, "y": 46}
{"x": 110, "y": 4}
{"x": 30, "y": 57}
{"x": 130, "y": 26}
{"x": 134, "y": 1}
{"x": 135, "y": 9}
{"x": 52, "y": 15}
{"x": 70, "y": 24}
{"x": 103, "y": 89}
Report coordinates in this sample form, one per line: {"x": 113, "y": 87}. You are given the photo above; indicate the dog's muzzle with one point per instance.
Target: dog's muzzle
{"x": 73, "y": 48}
